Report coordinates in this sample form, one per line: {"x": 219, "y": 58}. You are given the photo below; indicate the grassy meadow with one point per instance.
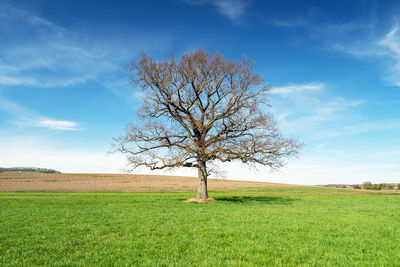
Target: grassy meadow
{"x": 290, "y": 226}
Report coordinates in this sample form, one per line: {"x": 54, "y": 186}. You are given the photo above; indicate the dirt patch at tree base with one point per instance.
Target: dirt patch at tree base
{"x": 200, "y": 200}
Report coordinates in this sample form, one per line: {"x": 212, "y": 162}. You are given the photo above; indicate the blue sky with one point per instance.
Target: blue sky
{"x": 334, "y": 69}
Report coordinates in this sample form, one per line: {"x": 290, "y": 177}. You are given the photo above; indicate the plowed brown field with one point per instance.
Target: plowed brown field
{"x": 114, "y": 183}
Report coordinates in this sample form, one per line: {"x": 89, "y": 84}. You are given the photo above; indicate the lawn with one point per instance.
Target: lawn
{"x": 155, "y": 229}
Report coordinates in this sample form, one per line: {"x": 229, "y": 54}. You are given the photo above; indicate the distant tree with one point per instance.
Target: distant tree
{"x": 28, "y": 169}
{"x": 368, "y": 185}
{"x": 388, "y": 186}
{"x": 200, "y": 109}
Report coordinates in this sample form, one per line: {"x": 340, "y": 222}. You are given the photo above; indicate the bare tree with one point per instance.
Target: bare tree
{"x": 200, "y": 109}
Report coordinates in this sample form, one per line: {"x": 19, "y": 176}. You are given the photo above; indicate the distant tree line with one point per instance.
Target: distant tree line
{"x": 369, "y": 186}
{"x": 28, "y": 169}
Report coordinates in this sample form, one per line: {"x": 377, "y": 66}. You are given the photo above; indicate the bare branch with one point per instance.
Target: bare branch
{"x": 202, "y": 108}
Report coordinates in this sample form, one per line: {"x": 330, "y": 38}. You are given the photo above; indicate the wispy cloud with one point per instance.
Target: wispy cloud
{"x": 17, "y": 80}
{"x": 392, "y": 153}
{"x": 48, "y": 123}
{"x": 235, "y": 10}
{"x": 299, "y": 20}
{"x": 8, "y": 12}
{"x": 306, "y": 109}
{"x": 355, "y": 128}
{"x": 7, "y": 80}
{"x": 60, "y": 57}
{"x": 26, "y": 117}
{"x": 52, "y": 57}
{"x": 391, "y": 41}
{"x": 15, "y": 109}
{"x": 371, "y": 126}
{"x": 361, "y": 39}
{"x": 54, "y": 124}
{"x": 382, "y": 45}
{"x": 291, "y": 22}
{"x": 297, "y": 88}
{"x": 310, "y": 115}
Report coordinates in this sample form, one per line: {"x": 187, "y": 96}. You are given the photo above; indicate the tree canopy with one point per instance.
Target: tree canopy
{"x": 201, "y": 108}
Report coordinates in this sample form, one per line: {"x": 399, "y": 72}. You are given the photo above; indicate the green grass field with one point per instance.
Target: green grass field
{"x": 159, "y": 229}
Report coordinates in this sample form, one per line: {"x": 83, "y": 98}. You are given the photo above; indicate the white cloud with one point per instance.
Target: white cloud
{"x": 48, "y": 123}
{"x": 31, "y": 118}
{"x": 58, "y": 125}
{"x": 232, "y": 9}
{"x": 297, "y": 88}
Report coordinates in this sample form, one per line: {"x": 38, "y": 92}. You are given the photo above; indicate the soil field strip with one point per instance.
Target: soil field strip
{"x": 73, "y": 182}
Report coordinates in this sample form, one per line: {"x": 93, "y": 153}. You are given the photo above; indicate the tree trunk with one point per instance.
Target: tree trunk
{"x": 202, "y": 192}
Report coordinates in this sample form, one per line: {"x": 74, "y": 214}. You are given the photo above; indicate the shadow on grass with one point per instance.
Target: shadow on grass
{"x": 256, "y": 199}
